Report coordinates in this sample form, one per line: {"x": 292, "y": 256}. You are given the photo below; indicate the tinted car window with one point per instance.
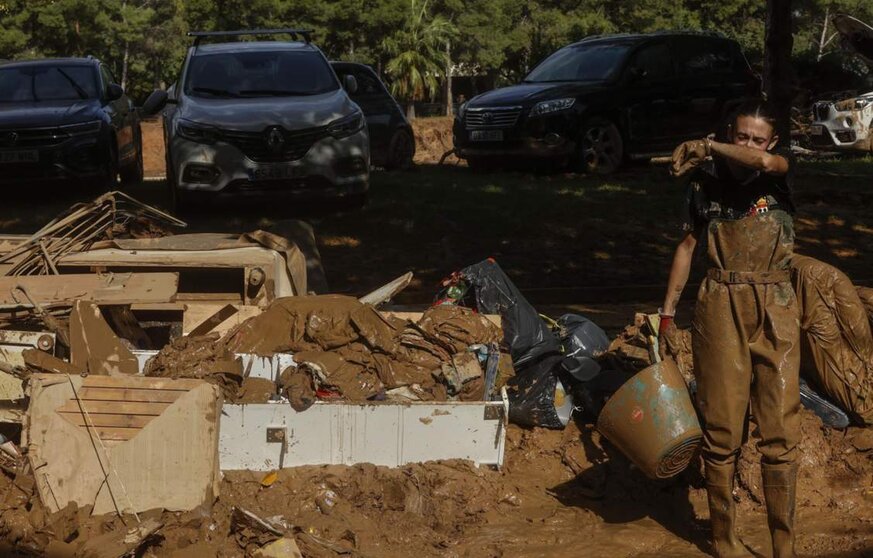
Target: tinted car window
{"x": 703, "y": 58}
{"x": 367, "y": 82}
{"x": 244, "y": 74}
{"x": 654, "y": 62}
{"x": 27, "y": 84}
{"x": 599, "y": 62}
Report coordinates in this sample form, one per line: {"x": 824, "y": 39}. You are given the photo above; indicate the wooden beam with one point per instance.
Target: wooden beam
{"x": 114, "y": 288}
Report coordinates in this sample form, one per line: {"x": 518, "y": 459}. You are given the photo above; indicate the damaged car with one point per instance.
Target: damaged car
{"x": 261, "y": 115}
{"x": 845, "y": 125}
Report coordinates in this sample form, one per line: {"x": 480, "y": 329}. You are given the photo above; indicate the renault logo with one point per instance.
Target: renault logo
{"x": 275, "y": 139}
{"x": 8, "y": 139}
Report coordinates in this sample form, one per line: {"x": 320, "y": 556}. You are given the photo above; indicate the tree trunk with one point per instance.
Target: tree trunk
{"x": 124, "y": 60}
{"x": 778, "y": 42}
{"x": 449, "y": 111}
{"x": 824, "y": 34}
{"x": 410, "y": 111}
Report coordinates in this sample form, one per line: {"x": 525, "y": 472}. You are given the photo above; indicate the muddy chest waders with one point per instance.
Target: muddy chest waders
{"x": 746, "y": 342}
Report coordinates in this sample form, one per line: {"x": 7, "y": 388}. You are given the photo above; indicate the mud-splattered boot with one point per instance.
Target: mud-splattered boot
{"x": 780, "y": 482}
{"x": 722, "y": 512}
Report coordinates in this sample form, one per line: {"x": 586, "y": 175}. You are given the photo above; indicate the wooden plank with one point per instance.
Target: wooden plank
{"x": 116, "y": 434}
{"x": 123, "y": 421}
{"x": 114, "y": 408}
{"x": 117, "y": 288}
{"x": 137, "y": 382}
{"x": 197, "y": 312}
{"x": 129, "y": 394}
{"x": 227, "y": 298}
{"x": 214, "y": 320}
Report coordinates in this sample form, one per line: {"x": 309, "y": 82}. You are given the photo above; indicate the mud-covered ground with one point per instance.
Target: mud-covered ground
{"x": 559, "y": 494}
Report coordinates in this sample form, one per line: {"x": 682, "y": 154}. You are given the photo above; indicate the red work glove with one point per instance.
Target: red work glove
{"x": 668, "y": 336}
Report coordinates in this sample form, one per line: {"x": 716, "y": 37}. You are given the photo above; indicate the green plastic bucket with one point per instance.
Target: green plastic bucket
{"x": 652, "y": 420}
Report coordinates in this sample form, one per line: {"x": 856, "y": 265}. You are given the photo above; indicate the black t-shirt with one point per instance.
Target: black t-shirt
{"x": 714, "y": 193}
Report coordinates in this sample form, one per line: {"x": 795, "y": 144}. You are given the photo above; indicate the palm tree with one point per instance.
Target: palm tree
{"x": 417, "y": 57}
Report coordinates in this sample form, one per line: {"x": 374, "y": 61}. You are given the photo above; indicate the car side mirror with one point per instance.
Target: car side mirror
{"x": 114, "y": 92}
{"x": 637, "y": 73}
{"x": 155, "y": 103}
{"x": 350, "y": 84}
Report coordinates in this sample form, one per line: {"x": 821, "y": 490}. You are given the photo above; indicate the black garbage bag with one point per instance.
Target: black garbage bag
{"x": 524, "y": 332}
{"x": 537, "y": 396}
{"x": 583, "y": 341}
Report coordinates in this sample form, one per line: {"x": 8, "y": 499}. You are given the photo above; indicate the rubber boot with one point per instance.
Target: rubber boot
{"x": 722, "y": 512}
{"x": 780, "y": 482}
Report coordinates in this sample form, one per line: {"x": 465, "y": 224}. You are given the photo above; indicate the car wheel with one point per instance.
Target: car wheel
{"x": 133, "y": 174}
{"x": 601, "y": 149}
{"x": 401, "y": 150}
{"x": 109, "y": 180}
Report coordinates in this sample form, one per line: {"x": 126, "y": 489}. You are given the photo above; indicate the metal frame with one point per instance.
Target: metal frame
{"x": 306, "y": 34}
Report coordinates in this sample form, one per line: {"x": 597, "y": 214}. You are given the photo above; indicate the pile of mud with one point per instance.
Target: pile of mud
{"x": 558, "y": 491}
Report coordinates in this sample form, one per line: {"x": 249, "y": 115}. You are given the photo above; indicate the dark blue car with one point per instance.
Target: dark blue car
{"x": 67, "y": 119}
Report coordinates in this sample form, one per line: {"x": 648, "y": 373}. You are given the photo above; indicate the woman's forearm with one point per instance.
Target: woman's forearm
{"x": 679, "y": 272}
{"x": 752, "y": 158}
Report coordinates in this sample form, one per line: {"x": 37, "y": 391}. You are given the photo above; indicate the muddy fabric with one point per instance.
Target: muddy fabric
{"x": 837, "y": 338}
{"x": 200, "y": 357}
{"x": 305, "y": 323}
{"x": 745, "y": 341}
{"x": 866, "y": 296}
{"x": 330, "y": 370}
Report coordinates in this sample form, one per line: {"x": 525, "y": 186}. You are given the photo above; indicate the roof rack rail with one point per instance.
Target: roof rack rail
{"x": 306, "y": 34}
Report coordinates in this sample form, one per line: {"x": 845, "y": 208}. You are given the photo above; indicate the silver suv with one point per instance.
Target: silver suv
{"x": 261, "y": 116}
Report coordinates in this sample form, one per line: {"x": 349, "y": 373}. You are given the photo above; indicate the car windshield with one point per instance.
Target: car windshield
{"x": 42, "y": 83}
{"x": 259, "y": 74}
{"x": 599, "y": 62}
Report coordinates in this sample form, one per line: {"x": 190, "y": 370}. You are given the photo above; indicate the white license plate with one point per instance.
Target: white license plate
{"x": 276, "y": 172}
{"x": 30, "y": 156}
{"x": 816, "y": 130}
{"x": 486, "y": 135}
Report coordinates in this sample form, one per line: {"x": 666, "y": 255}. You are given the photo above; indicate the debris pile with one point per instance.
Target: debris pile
{"x": 121, "y": 423}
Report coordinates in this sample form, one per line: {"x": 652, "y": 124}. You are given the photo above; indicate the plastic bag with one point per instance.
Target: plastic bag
{"x": 524, "y": 332}
{"x": 537, "y": 397}
{"x": 583, "y": 340}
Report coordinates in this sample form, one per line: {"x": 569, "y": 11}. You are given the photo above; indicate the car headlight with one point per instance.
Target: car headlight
{"x": 462, "y": 110}
{"x": 83, "y": 129}
{"x": 194, "y": 131}
{"x": 347, "y": 125}
{"x": 861, "y": 103}
{"x": 548, "y": 107}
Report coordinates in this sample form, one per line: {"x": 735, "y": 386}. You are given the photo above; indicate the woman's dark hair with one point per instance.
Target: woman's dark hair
{"x": 755, "y": 107}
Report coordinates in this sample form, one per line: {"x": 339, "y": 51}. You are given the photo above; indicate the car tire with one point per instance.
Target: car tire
{"x": 401, "y": 150}
{"x": 601, "y": 149}
{"x": 132, "y": 175}
{"x": 109, "y": 176}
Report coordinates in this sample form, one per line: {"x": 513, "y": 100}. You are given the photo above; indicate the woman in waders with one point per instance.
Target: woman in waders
{"x": 745, "y": 330}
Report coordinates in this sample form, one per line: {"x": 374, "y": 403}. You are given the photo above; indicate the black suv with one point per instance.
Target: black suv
{"x": 67, "y": 118}
{"x": 605, "y": 98}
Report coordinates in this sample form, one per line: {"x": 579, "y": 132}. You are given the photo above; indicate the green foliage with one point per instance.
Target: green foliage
{"x": 405, "y": 39}
{"x": 417, "y": 55}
